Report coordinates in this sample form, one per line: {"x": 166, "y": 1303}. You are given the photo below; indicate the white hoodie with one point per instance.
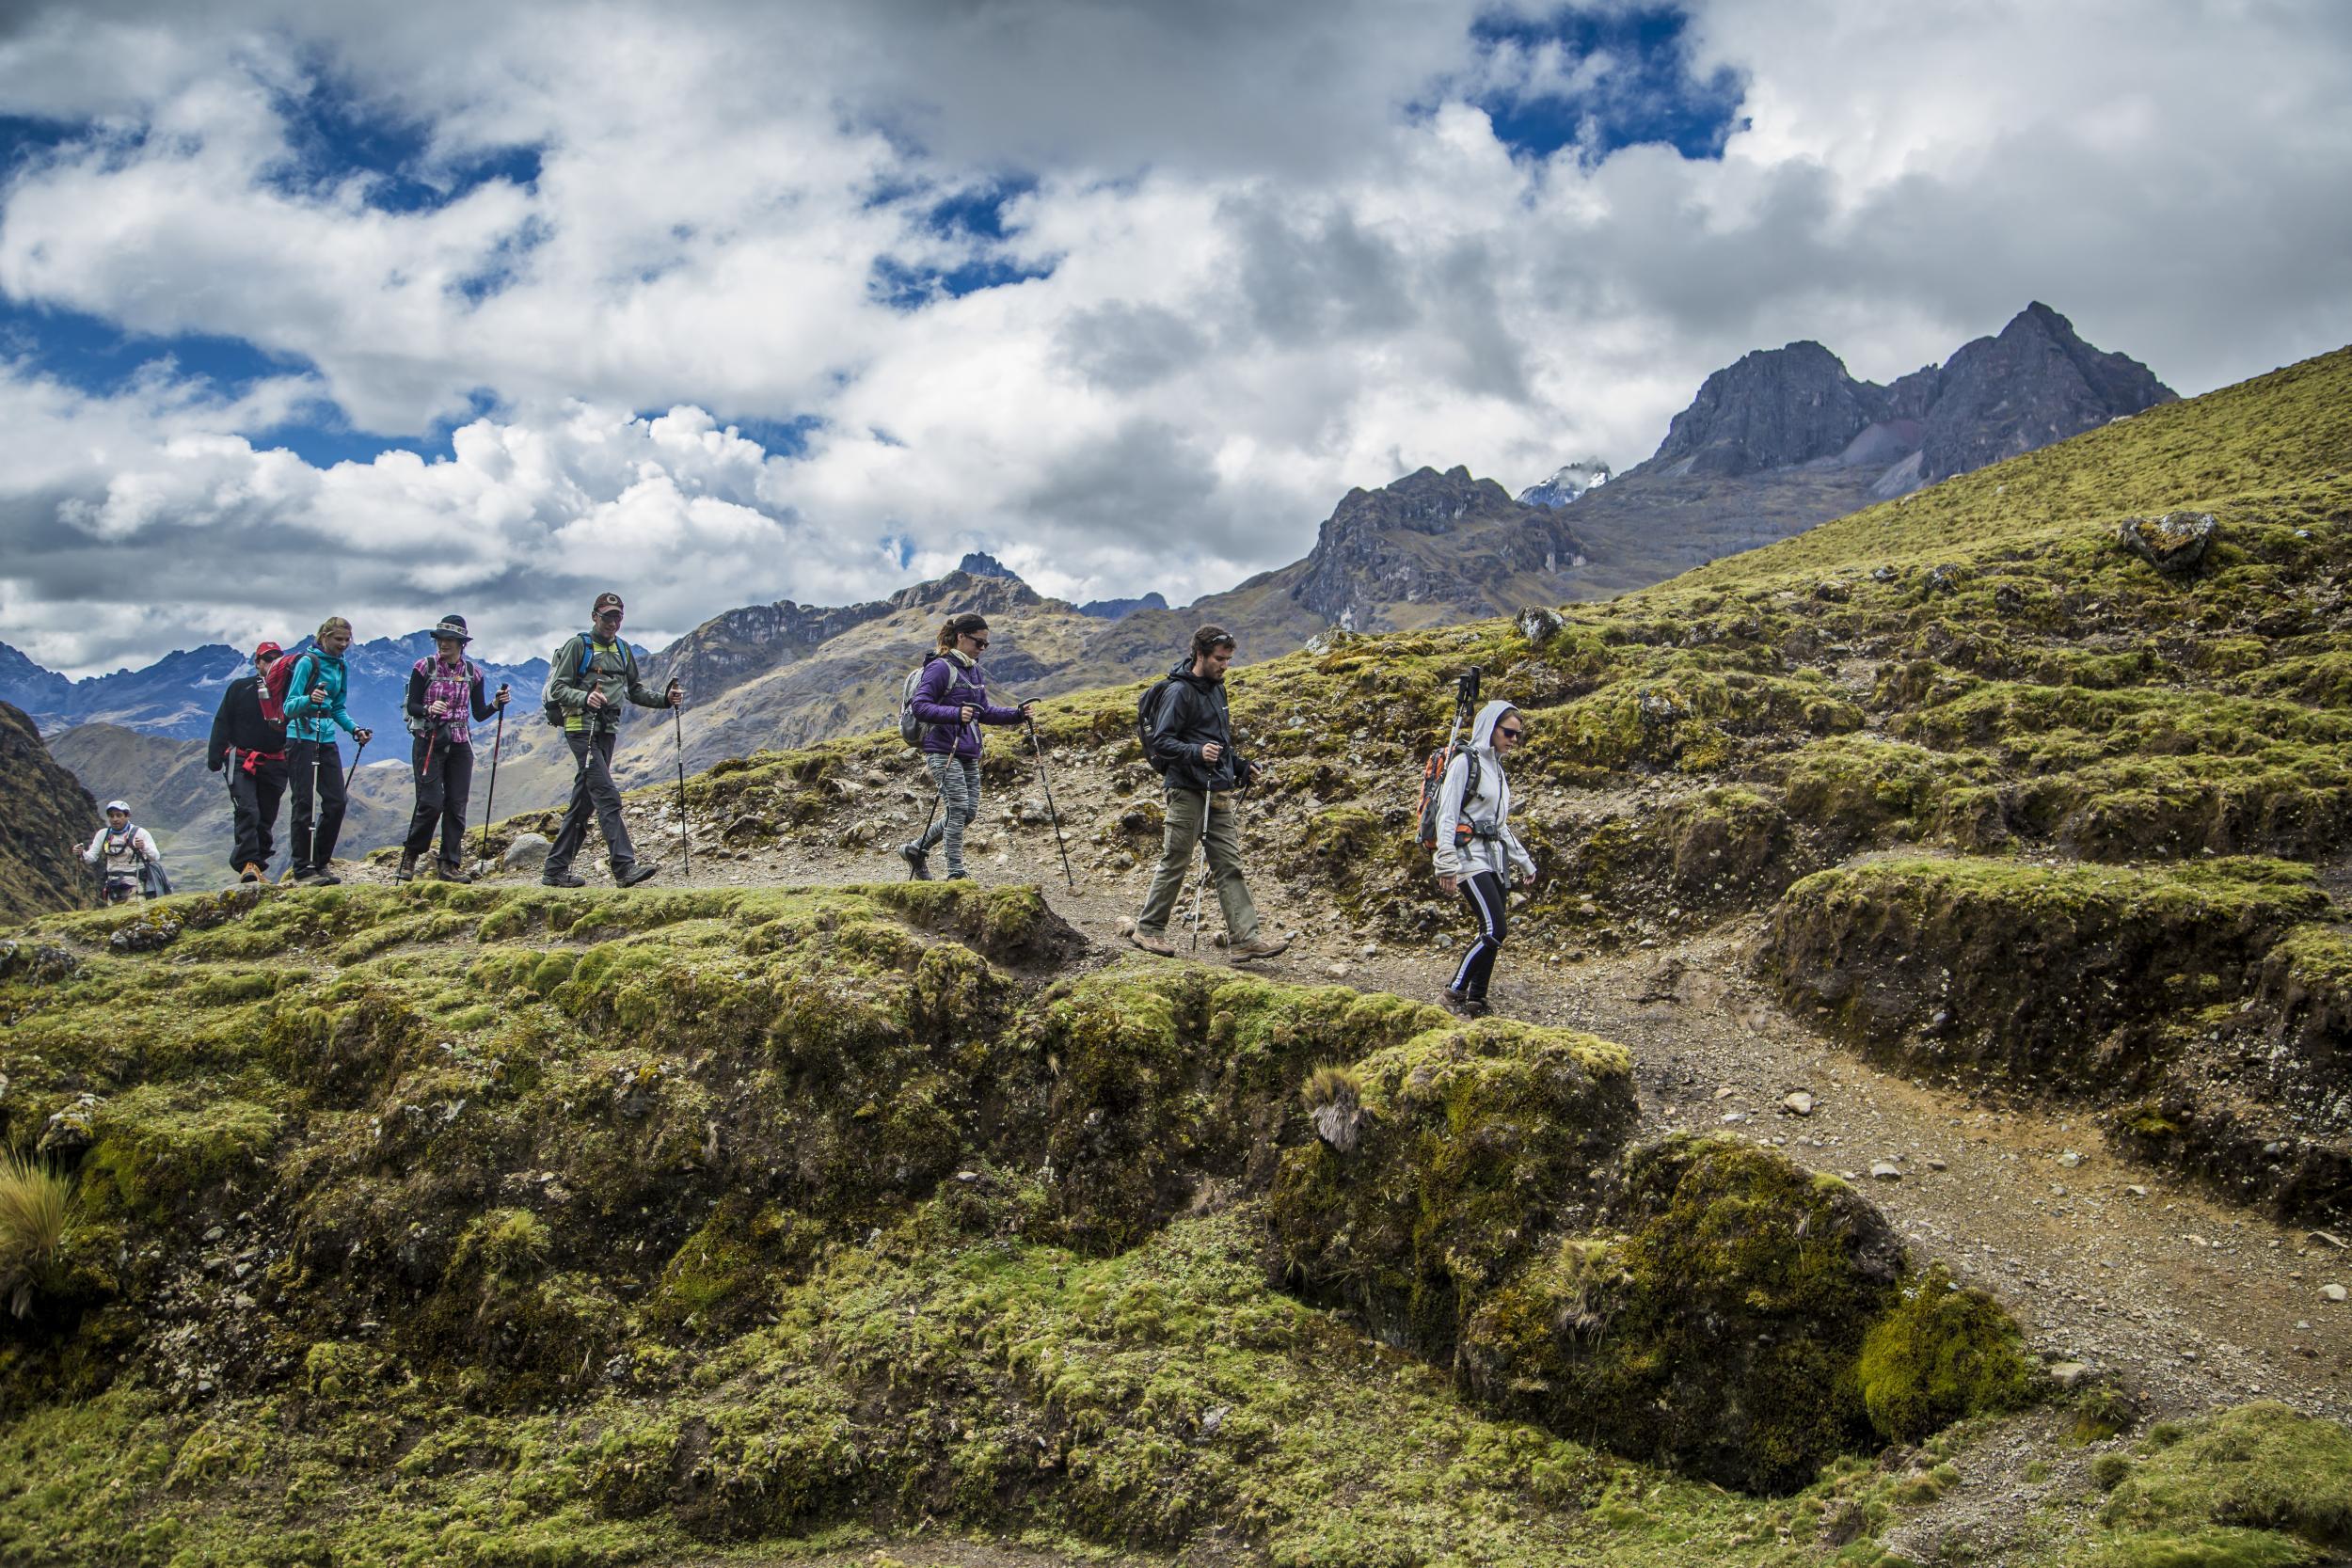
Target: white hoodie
{"x": 1490, "y": 806}
{"x": 123, "y": 856}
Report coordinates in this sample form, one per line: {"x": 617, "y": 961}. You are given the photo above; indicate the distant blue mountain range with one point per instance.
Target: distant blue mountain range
{"x": 177, "y": 695}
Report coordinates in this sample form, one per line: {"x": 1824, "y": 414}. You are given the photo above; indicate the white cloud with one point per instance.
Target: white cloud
{"x": 1277, "y": 270}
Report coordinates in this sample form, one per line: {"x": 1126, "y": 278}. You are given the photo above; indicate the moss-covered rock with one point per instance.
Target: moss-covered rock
{"x": 1477, "y": 1142}
{"x": 1718, "y": 1325}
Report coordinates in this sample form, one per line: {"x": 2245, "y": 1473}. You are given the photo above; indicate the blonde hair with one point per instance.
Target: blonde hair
{"x": 331, "y": 624}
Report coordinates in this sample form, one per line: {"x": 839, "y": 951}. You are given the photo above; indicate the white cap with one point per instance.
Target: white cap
{"x": 122, "y": 806}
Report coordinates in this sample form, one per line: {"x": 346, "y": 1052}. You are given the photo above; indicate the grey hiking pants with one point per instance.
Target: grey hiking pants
{"x": 1185, "y": 810}
{"x": 958, "y": 780}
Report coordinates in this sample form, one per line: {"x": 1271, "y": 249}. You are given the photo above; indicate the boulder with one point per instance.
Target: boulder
{"x": 1539, "y": 625}
{"x": 2174, "y": 543}
{"x": 528, "y": 851}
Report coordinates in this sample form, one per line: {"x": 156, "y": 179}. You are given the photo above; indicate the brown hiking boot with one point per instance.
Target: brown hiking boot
{"x": 1152, "y": 941}
{"x": 1458, "y": 1002}
{"x": 1258, "y": 947}
{"x": 253, "y": 873}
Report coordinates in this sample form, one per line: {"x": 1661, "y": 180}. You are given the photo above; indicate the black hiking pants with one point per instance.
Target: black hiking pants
{"x": 315, "y": 767}
{"x": 1485, "y": 892}
{"x": 253, "y": 799}
{"x": 444, "y": 783}
{"x": 593, "y": 791}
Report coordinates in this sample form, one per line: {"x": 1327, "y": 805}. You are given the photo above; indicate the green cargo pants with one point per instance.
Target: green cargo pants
{"x": 1223, "y": 842}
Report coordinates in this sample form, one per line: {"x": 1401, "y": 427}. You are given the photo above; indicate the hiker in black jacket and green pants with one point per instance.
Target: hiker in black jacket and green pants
{"x": 588, "y": 678}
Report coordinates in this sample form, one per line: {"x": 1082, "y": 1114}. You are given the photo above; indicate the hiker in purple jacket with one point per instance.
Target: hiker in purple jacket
{"x": 951, "y": 699}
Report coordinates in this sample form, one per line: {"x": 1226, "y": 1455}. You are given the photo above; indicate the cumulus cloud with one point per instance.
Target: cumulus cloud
{"x": 1245, "y": 257}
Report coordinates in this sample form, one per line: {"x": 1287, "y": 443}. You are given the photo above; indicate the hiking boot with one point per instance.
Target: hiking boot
{"x": 634, "y": 875}
{"x": 1458, "y": 1002}
{"x": 1478, "y": 1008}
{"x": 452, "y": 872}
{"x": 919, "y": 862}
{"x": 1258, "y": 947}
{"x": 252, "y": 872}
{"x": 958, "y": 877}
{"x": 407, "y": 870}
{"x": 1152, "y": 941}
{"x": 321, "y": 878}
{"x": 561, "y": 879}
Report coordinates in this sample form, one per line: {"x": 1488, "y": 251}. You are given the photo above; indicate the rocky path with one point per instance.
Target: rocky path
{"x": 2120, "y": 1267}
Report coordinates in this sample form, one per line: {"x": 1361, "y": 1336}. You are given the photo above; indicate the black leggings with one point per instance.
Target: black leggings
{"x": 1485, "y": 890}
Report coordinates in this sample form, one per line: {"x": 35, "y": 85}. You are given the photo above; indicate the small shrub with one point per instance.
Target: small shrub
{"x": 36, "y": 1205}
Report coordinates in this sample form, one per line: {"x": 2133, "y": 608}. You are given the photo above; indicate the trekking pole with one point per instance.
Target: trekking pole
{"x": 1200, "y": 881}
{"x": 1039, "y": 751}
{"x": 498, "y": 737}
{"x": 677, "y": 729}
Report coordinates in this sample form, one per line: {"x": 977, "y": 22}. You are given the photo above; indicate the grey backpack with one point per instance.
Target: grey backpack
{"x": 911, "y": 728}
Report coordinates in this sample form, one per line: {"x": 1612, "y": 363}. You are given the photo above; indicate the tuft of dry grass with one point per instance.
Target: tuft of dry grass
{"x": 36, "y": 1205}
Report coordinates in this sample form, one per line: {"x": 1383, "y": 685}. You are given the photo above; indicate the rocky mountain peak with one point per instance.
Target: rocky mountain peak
{"x": 1772, "y": 409}
{"x": 979, "y": 564}
{"x": 993, "y": 592}
{"x": 1371, "y": 550}
{"x": 2036, "y": 383}
{"x": 1568, "y": 484}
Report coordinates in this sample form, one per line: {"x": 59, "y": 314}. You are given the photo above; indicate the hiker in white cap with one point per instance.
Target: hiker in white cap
{"x": 130, "y": 867}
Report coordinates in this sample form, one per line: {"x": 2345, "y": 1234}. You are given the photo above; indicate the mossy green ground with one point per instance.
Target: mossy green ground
{"x": 479, "y": 1225}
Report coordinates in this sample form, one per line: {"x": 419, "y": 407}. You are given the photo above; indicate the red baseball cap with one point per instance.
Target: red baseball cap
{"x": 271, "y": 649}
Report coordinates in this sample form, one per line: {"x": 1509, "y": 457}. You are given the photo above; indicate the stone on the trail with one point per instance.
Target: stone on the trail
{"x": 2070, "y": 1159}
{"x": 528, "y": 850}
{"x": 2333, "y": 1292}
{"x": 2069, "y": 1375}
{"x": 1372, "y": 950}
{"x": 1886, "y": 1170}
{"x": 1796, "y": 1104}
{"x": 1934, "y": 1164}
{"x": 2174, "y": 544}
{"x": 2136, "y": 1190}
{"x": 1337, "y": 971}
{"x": 1724, "y": 1093}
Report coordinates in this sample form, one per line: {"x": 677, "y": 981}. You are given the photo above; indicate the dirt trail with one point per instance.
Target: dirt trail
{"x": 2124, "y": 1267}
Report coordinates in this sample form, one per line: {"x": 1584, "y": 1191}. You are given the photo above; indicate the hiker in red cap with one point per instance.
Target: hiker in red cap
{"x": 249, "y": 744}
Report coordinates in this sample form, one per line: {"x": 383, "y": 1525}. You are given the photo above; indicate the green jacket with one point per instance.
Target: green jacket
{"x": 612, "y": 669}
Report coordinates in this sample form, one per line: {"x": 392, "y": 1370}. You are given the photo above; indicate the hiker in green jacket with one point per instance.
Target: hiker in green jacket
{"x": 588, "y": 679}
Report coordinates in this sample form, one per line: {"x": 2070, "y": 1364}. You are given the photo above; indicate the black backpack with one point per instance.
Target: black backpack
{"x": 1148, "y": 718}
{"x": 1433, "y": 771}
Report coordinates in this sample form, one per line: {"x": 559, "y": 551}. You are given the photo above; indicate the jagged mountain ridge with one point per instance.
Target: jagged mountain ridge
{"x": 1785, "y": 439}
{"x": 45, "y": 815}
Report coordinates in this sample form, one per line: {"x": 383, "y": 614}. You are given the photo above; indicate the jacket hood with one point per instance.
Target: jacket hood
{"x": 1184, "y": 672}
{"x": 1483, "y": 727}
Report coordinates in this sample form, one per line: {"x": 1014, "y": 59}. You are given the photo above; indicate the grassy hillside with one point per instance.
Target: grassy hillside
{"x": 1981, "y": 670}
{"x": 511, "y": 1226}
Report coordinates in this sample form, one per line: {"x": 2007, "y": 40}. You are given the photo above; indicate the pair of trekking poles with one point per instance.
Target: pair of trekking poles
{"x": 1037, "y": 749}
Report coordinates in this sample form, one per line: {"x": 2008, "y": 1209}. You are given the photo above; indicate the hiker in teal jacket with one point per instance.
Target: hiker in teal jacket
{"x": 314, "y": 711}
{"x": 588, "y": 679}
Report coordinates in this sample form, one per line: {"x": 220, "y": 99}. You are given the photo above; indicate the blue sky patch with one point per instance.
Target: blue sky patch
{"x": 336, "y": 135}
{"x": 92, "y": 355}
{"x": 1646, "y": 94}
{"x": 902, "y": 287}
{"x": 777, "y": 437}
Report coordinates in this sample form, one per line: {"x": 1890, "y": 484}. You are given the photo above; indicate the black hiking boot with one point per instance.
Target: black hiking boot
{"x": 450, "y": 871}
{"x": 638, "y": 873}
{"x": 918, "y": 863}
{"x": 407, "y": 870}
{"x": 561, "y": 879}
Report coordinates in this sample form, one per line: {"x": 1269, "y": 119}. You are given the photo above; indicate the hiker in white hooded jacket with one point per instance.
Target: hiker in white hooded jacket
{"x": 1477, "y": 853}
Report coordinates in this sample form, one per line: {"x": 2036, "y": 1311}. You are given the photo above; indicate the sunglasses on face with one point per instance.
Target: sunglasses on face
{"x": 1508, "y": 734}
{"x": 980, "y": 641}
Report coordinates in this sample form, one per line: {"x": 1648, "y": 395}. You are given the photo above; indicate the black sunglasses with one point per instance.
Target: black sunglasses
{"x": 979, "y": 641}
{"x": 1508, "y": 734}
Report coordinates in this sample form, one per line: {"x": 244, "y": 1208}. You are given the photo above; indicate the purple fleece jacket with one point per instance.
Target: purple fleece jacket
{"x": 949, "y": 685}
